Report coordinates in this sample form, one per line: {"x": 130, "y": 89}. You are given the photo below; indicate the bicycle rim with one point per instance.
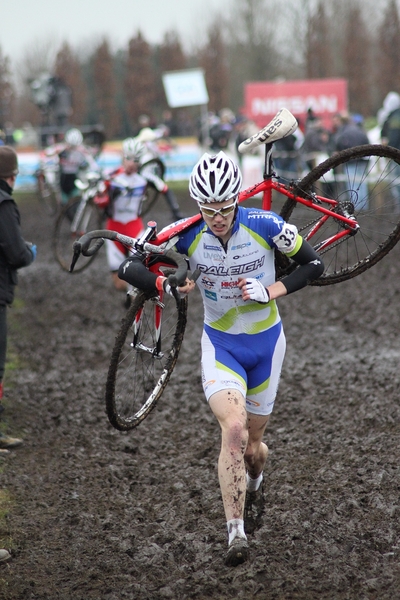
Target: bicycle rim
{"x": 47, "y": 196}
{"x": 140, "y": 367}
{"x": 68, "y": 229}
{"x": 365, "y": 182}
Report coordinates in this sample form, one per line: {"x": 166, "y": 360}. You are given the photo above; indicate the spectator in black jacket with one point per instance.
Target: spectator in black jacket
{"x": 349, "y": 135}
{"x": 15, "y": 253}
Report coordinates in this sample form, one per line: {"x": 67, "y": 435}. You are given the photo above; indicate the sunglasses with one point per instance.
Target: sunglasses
{"x": 224, "y": 212}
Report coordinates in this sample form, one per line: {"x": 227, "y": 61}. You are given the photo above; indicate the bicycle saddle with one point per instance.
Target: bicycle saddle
{"x": 282, "y": 125}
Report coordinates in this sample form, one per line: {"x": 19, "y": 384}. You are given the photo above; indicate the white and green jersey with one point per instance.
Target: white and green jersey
{"x": 248, "y": 253}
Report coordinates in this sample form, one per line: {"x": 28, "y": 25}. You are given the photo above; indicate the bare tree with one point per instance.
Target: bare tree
{"x": 7, "y": 94}
{"x": 168, "y": 56}
{"x": 68, "y": 69}
{"x": 357, "y": 60}
{"x": 388, "y": 74}
{"x": 38, "y": 59}
{"x": 213, "y": 59}
{"x": 253, "y": 49}
{"x": 318, "y": 45}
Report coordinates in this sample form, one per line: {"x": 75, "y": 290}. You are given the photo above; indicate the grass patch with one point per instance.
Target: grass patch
{"x": 179, "y": 186}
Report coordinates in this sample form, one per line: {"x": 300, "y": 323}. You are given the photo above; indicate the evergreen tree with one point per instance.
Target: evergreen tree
{"x": 104, "y": 90}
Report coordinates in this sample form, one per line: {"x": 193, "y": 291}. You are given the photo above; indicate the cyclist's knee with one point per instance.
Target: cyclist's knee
{"x": 236, "y": 436}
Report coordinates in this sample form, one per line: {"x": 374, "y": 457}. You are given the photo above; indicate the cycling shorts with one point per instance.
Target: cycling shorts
{"x": 252, "y": 364}
{"x": 116, "y": 252}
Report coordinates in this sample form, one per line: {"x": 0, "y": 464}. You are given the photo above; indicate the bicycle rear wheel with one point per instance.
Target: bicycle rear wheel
{"x": 70, "y": 227}
{"x": 153, "y": 167}
{"x": 144, "y": 355}
{"x": 364, "y": 182}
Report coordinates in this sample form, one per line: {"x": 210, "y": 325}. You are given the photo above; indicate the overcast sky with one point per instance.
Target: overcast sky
{"x": 23, "y": 22}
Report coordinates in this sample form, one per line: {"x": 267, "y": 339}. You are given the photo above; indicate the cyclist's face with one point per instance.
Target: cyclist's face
{"x": 220, "y": 224}
{"x": 130, "y": 166}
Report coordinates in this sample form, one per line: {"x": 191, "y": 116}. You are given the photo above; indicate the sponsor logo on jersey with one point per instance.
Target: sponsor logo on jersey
{"x": 213, "y": 256}
{"x": 252, "y": 402}
{"x": 232, "y": 383}
{"x": 234, "y": 297}
{"x": 207, "y": 282}
{"x": 229, "y": 284}
{"x": 206, "y": 384}
{"x": 222, "y": 271}
{"x": 266, "y": 215}
{"x": 241, "y": 246}
{"x": 209, "y": 247}
{"x": 237, "y": 257}
{"x": 210, "y": 295}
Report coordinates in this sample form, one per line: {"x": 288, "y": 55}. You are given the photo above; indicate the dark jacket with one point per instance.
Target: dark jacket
{"x": 14, "y": 251}
{"x": 350, "y": 135}
{"x": 391, "y": 129}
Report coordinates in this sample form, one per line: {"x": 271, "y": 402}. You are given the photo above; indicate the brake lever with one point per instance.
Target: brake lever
{"x": 77, "y": 251}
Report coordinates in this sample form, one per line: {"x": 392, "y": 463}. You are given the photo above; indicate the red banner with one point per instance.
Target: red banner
{"x": 324, "y": 96}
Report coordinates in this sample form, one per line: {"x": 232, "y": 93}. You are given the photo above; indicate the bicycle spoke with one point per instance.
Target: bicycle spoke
{"x": 144, "y": 356}
{"x": 364, "y": 183}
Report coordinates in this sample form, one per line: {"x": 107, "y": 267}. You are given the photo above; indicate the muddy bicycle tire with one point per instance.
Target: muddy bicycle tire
{"x": 365, "y": 180}
{"x": 151, "y": 197}
{"x": 47, "y": 194}
{"x": 64, "y": 237}
{"x": 137, "y": 375}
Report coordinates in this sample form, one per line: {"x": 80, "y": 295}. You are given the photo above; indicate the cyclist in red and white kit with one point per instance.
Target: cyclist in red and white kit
{"x": 243, "y": 343}
{"x": 126, "y": 190}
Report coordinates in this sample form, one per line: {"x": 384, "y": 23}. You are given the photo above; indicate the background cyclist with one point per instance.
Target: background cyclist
{"x": 126, "y": 189}
{"x": 149, "y": 168}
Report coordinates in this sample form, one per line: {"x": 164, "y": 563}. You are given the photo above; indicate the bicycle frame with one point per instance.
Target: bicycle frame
{"x": 266, "y": 188}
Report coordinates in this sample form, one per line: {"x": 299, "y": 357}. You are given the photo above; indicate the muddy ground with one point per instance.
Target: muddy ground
{"x": 105, "y": 515}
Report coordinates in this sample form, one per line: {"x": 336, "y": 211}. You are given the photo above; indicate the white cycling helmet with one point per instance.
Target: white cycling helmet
{"x": 73, "y": 137}
{"x": 215, "y": 179}
{"x": 133, "y": 149}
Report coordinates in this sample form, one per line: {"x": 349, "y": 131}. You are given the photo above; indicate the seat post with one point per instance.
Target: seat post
{"x": 268, "y": 165}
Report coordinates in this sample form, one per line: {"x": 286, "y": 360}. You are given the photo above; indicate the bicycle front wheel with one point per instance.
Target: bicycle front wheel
{"x": 47, "y": 195}
{"x": 363, "y": 182}
{"x": 74, "y": 220}
{"x": 145, "y": 353}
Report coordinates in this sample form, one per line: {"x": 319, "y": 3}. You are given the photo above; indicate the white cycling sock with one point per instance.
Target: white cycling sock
{"x": 252, "y": 485}
{"x": 235, "y": 528}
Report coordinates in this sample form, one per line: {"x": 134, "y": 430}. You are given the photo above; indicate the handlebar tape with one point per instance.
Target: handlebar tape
{"x": 178, "y": 278}
{"x": 82, "y": 246}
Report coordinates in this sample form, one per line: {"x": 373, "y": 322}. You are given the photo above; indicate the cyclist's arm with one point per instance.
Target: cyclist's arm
{"x": 134, "y": 272}
{"x": 310, "y": 268}
{"x": 154, "y": 180}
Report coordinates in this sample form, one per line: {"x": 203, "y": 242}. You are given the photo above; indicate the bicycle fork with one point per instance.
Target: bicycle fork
{"x": 156, "y": 351}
